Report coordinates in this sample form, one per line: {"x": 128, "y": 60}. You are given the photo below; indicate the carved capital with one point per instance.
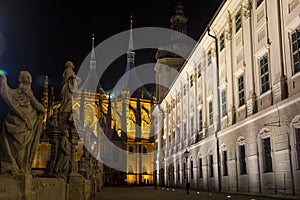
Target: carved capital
{"x": 247, "y": 9}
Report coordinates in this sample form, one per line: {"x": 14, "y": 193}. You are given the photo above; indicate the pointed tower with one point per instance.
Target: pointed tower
{"x": 91, "y": 82}
{"x": 46, "y": 100}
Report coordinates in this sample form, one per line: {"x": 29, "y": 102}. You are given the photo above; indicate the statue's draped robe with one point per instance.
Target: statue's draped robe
{"x": 20, "y": 131}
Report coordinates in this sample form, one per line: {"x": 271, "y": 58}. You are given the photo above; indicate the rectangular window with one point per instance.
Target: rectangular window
{"x": 173, "y": 173}
{"x": 192, "y": 124}
{"x": 242, "y": 159}
{"x": 258, "y": 2}
{"x": 211, "y": 166}
{"x": 192, "y": 170}
{"x": 296, "y": 50}
{"x": 178, "y": 172}
{"x": 191, "y": 81}
{"x": 241, "y": 90}
{"x": 184, "y": 131}
{"x": 210, "y": 110}
{"x": 199, "y": 70}
{"x": 169, "y": 173}
{"x": 209, "y": 58}
{"x": 264, "y": 74}
{"x": 200, "y": 119}
{"x": 297, "y": 132}
{"x": 225, "y": 166}
{"x": 222, "y": 42}
{"x": 184, "y": 171}
{"x": 223, "y": 103}
{"x": 267, "y": 155}
{"x": 238, "y": 21}
{"x": 184, "y": 89}
{"x": 200, "y": 168}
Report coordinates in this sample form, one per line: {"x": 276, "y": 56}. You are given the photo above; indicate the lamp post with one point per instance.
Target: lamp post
{"x": 186, "y": 155}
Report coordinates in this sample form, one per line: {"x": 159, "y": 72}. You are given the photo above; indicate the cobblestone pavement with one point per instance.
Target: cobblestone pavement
{"x": 147, "y": 193}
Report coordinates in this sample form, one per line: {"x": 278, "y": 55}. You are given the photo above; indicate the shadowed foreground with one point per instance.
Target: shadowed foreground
{"x": 147, "y": 193}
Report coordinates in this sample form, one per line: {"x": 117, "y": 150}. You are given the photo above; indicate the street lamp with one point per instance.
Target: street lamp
{"x": 186, "y": 155}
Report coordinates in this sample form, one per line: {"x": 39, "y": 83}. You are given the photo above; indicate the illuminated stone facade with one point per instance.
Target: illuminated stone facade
{"x": 235, "y": 106}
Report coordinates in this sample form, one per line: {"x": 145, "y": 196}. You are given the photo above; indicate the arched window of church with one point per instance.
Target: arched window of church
{"x": 144, "y": 169}
{"x": 130, "y": 169}
{"x": 130, "y": 149}
{"x": 144, "y": 150}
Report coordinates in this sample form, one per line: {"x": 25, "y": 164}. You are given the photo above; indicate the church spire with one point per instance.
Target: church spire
{"x": 91, "y": 82}
{"x": 93, "y": 57}
{"x": 130, "y": 52}
{"x": 130, "y": 46}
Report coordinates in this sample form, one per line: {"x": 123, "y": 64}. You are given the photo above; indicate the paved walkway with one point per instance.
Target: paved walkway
{"x": 149, "y": 193}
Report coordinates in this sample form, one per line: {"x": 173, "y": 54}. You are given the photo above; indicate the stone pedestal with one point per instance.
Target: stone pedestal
{"x": 79, "y": 188}
{"x": 15, "y": 187}
{"x": 24, "y": 187}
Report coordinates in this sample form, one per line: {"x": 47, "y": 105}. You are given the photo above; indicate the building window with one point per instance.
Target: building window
{"x": 238, "y": 21}
{"x": 264, "y": 74}
{"x": 200, "y": 168}
{"x": 191, "y": 81}
{"x": 242, "y": 159}
{"x": 209, "y": 58}
{"x": 184, "y": 89}
{"x": 211, "y": 166}
{"x": 192, "y": 124}
{"x": 210, "y": 109}
{"x": 178, "y": 172}
{"x": 192, "y": 169}
{"x": 184, "y": 171}
{"x": 225, "y": 166}
{"x": 296, "y": 50}
{"x": 169, "y": 172}
{"x": 258, "y": 2}
{"x": 297, "y": 133}
{"x": 199, "y": 70}
{"x": 241, "y": 90}
{"x": 267, "y": 155}
{"x": 200, "y": 120}
{"x": 222, "y": 42}
{"x": 184, "y": 131}
{"x": 130, "y": 149}
{"x": 178, "y": 97}
{"x": 223, "y": 103}
{"x": 130, "y": 169}
{"x": 173, "y": 173}
{"x": 144, "y": 150}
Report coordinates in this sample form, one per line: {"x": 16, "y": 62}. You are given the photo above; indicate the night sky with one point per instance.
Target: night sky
{"x": 41, "y": 35}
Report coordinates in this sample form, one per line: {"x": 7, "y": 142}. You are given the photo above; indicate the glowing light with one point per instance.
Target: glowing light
{"x": 2, "y": 72}
{"x": 198, "y": 192}
{"x": 228, "y": 196}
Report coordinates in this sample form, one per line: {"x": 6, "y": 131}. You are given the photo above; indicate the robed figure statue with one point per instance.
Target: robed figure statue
{"x": 22, "y": 126}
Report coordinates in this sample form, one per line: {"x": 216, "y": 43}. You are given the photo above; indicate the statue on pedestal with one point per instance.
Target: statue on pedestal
{"x": 62, "y": 165}
{"x": 70, "y": 80}
{"x": 22, "y": 127}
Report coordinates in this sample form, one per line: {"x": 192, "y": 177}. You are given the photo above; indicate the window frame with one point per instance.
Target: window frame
{"x": 264, "y": 73}
{"x": 238, "y": 20}
{"x": 241, "y": 90}
{"x": 295, "y": 53}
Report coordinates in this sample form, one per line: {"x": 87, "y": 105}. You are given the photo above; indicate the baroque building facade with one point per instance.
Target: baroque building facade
{"x": 235, "y": 105}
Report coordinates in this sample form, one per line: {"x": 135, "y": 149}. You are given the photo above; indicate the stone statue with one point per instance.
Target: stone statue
{"x": 63, "y": 156}
{"x": 22, "y": 126}
{"x": 70, "y": 80}
{"x": 53, "y": 121}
